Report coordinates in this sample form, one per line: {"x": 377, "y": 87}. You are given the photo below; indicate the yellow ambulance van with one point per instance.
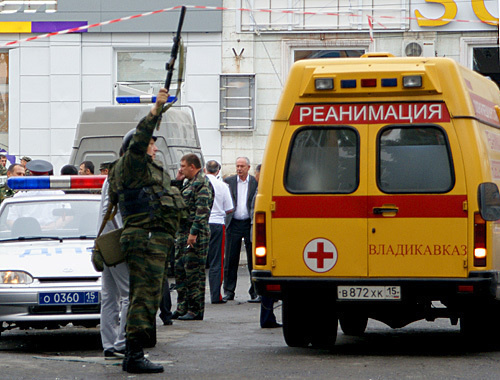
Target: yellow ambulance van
{"x": 378, "y": 198}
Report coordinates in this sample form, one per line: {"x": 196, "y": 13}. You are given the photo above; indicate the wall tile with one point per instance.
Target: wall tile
{"x": 64, "y": 114}
{"x": 97, "y": 88}
{"x": 65, "y": 60}
{"x": 65, "y": 88}
{"x": 35, "y": 61}
{"x": 34, "y": 88}
{"x": 97, "y": 60}
{"x": 34, "y": 115}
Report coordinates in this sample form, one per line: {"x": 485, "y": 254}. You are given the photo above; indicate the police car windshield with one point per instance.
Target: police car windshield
{"x": 49, "y": 219}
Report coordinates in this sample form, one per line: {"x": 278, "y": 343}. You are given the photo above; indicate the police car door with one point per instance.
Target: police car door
{"x": 319, "y": 225}
{"x": 417, "y": 219}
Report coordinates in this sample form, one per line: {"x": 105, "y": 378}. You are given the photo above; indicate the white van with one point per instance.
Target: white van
{"x": 100, "y": 131}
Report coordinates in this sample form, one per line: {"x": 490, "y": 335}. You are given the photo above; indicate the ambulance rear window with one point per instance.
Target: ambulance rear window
{"x": 323, "y": 161}
{"x": 414, "y": 160}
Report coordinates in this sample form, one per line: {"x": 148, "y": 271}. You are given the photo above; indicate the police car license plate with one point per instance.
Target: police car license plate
{"x": 68, "y": 298}
{"x": 369, "y": 292}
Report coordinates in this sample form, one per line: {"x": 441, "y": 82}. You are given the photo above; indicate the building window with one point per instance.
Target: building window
{"x": 327, "y": 53}
{"x": 295, "y": 50}
{"x": 143, "y": 72}
{"x": 237, "y": 102}
{"x": 485, "y": 61}
{"x": 481, "y": 54}
{"x": 311, "y": 15}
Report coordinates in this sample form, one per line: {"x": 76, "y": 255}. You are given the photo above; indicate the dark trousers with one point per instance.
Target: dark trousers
{"x": 267, "y": 317}
{"x": 166, "y": 300}
{"x": 237, "y": 230}
{"x": 215, "y": 259}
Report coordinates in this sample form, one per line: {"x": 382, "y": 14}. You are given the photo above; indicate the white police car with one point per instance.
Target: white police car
{"x": 46, "y": 275}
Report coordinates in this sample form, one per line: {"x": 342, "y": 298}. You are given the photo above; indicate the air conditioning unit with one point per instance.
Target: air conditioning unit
{"x": 419, "y": 49}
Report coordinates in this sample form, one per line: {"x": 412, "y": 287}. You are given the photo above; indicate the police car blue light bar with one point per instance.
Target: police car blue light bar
{"x": 142, "y": 99}
{"x": 56, "y": 182}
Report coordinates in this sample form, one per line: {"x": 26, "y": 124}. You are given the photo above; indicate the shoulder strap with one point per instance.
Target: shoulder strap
{"x": 110, "y": 214}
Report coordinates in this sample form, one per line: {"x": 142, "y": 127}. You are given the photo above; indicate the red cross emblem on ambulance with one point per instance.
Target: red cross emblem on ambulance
{"x": 320, "y": 255}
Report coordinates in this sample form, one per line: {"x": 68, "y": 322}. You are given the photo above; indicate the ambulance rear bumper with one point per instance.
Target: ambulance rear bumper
{"x": 478, "y": 286}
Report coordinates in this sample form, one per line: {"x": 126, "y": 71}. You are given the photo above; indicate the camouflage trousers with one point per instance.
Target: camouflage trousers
{"x": 146, "y": 254}
{"x": 190, "y": 273}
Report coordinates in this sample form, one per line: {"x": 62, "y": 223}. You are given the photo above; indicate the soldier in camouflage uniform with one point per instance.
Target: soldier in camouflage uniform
{"x": 150, "y": 210}
{"x": 192, "y": 240}
{"x": 15, "y": 170}
{"x": 3, "y": 164}
{"x": 24, "y": 161}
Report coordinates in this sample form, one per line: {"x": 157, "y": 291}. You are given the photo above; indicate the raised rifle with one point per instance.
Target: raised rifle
{"x": 175, "y": 49}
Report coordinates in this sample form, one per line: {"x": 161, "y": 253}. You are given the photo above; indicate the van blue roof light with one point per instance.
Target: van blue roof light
{"x": 142, "y": 99}
{"x": 56, "y": 182}
{"x": 389, "y": 82}
{"x": 348, "y": 83}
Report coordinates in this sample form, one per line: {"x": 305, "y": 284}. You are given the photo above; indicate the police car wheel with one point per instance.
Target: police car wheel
{"x": 353, "y": 325}
{"x": 294, "y": 327}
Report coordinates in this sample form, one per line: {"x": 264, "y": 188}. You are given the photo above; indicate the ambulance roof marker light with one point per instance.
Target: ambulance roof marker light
{"x": 368, "y": 82}
{"x": 348, "y": 83}
{"x": 142, "y": 99}
{"x": 389, "y": 82}
{"x": 56, "y": 182}
{"x": 322, "y": 84}
{"x": 412, "y": 81}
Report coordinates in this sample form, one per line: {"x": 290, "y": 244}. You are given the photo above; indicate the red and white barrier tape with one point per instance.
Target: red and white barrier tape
{"x": 371, "y": 19}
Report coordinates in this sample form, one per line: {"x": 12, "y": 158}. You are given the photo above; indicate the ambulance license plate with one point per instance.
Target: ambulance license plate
{"x": 369, "y": 292}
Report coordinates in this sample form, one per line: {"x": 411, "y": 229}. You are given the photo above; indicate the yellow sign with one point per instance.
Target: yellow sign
{"x": 450, "y": 12}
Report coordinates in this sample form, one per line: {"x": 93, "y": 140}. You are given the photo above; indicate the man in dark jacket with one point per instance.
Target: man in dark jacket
{"x": 238, "y": 223}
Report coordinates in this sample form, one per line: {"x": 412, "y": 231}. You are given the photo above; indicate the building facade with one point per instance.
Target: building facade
{"x": 237, "y": 59}
{"x": 270, "y": 41}
{"x": 48, "y": 81}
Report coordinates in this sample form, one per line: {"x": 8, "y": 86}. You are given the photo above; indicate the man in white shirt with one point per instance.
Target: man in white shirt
{"x": 242, "y": 187}
{"x": 223, "y": 203}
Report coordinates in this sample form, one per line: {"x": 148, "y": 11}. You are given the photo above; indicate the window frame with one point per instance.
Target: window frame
{"x": 154, "y": 86}
{"x": 415, "y": 126}
{"x": 252, "y": 89}
{"x": 323, "y": 127}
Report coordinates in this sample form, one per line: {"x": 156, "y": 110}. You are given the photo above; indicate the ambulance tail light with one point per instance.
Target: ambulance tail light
{"x": 480, "y": 252}
{"x": 273, "y": 287}
{"x": 260, "y": 238}
{"x": 412, "y": 81}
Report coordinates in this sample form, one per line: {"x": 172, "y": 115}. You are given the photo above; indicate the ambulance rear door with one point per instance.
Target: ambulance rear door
{"x": 319, "y": 225}
{"x": 417, "y": 204}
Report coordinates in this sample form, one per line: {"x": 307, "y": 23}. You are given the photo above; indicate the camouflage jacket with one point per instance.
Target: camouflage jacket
{"x": 198, "y": 195}
{"x": 141, "y": 187}
{"x": 6, "y": 192}
{"x": 3, "y": 170}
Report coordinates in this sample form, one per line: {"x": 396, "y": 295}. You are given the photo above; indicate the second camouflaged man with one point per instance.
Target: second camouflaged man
{"x": 150, "y": 211}
{"x": 14, "y": 170}
{"x": 191, "y": 245}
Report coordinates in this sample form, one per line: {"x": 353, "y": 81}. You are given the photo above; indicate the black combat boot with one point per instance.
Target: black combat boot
{"x": 135, "y": 362}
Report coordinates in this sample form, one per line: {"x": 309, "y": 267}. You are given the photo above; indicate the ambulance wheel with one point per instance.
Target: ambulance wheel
{"x": 295, "y": 328}
{"x": 481, "y": 325}
{"x": 324, "y": 334}
{"x": 353, "y": 325}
